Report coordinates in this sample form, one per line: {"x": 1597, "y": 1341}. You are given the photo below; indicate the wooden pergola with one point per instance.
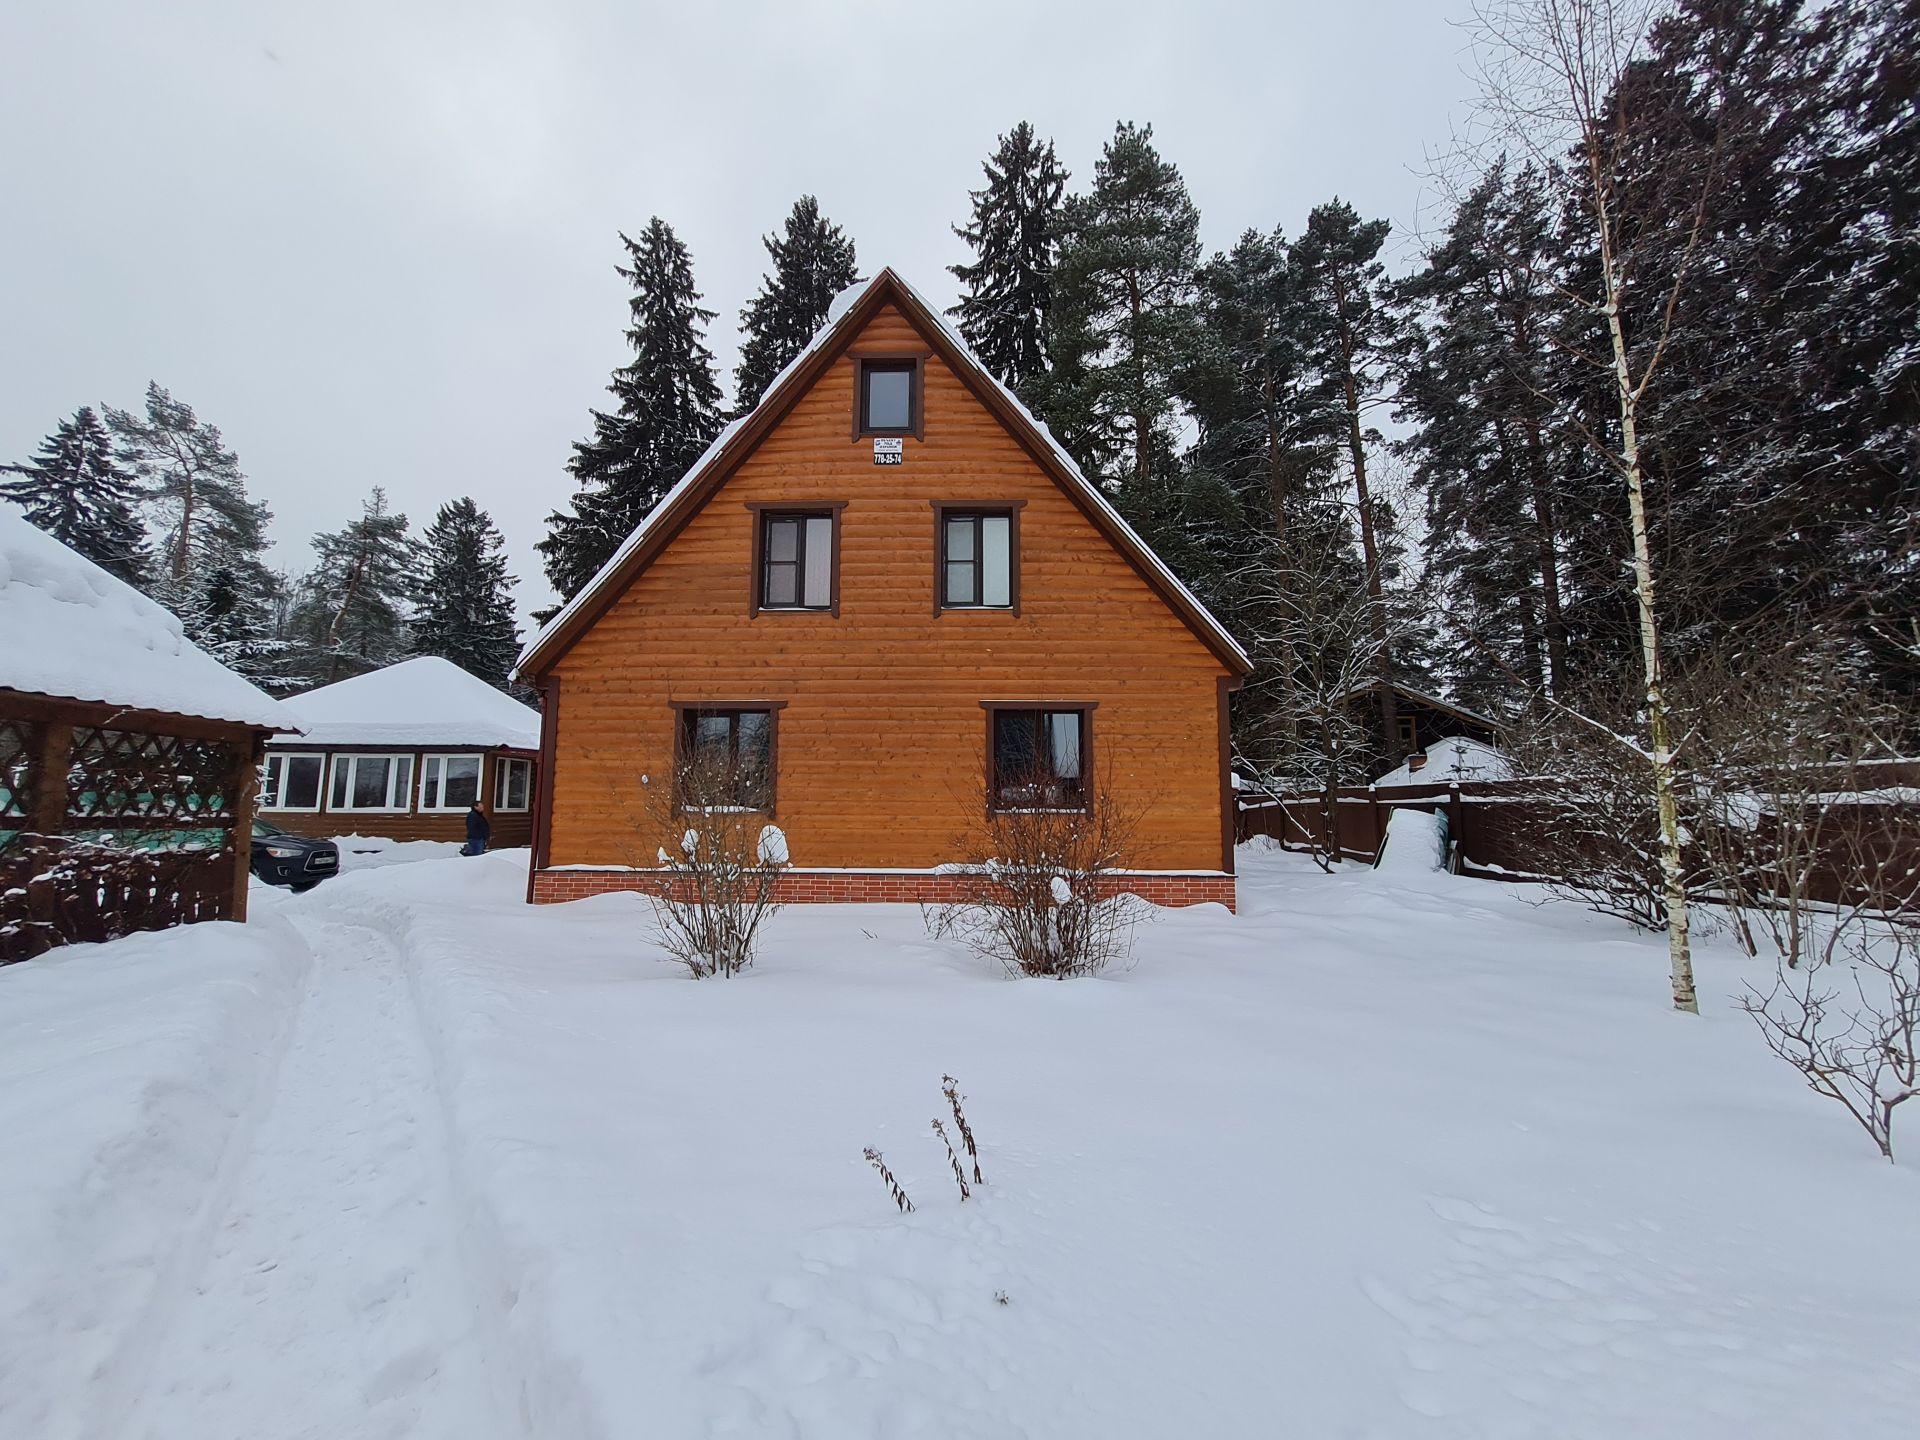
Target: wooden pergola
{"x": 114, "y": 820}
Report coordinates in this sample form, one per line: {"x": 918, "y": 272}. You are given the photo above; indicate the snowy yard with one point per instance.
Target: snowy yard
{"x": 1381, "y": 1157}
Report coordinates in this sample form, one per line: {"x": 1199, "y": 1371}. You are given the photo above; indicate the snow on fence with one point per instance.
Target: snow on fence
{"x": 1510, "y": 829}
{"x": 57, "y": 892}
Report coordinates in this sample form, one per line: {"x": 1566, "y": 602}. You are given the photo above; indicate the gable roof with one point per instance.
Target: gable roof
{"x": 846, "y": 319}
{"x": 425, "y": 701}
{"x": 1421, "y": 697}
{"x": 74, "y": 632}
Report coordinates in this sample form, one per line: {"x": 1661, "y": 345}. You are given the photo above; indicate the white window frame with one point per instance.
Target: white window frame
{"x": 285, "y": 758}
{"x": 348, "y": 761}
{"x": 436, "y": 761}
{"x": 501, "y": 768}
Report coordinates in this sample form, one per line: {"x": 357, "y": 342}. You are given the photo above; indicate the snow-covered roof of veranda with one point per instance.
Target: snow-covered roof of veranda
{"x": 424, "y": 701}
{"x": 70, "y": 630}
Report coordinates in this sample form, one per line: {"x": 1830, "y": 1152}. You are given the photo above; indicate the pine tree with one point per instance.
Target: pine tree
{"x": 668, "y": 413}
{"x": 1491, "y": 444}
{"x": 1015, "y": 233}
{"x": 73, "y": 490}
{"x": 350, "y": 615}
{"x": 210, "y": 571}
{"x": 465, "y": 600}
{"x": 1123, "y": 319}
{"x": 813, "y": 261}
{"x": 1353, "y": 337}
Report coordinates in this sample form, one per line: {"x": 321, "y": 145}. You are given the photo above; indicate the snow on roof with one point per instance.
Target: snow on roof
{"x": 421, "y": 702}
{"x": 1455, "y": 758}
{"x": 838, "y": 310}
{"x": 74, "y": 631}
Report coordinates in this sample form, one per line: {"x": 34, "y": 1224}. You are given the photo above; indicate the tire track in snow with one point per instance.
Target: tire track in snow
{"x": 333, "y": 1299}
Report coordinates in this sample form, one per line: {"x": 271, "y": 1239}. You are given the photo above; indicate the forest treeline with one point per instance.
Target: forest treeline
{"x": 1369, "y": 467}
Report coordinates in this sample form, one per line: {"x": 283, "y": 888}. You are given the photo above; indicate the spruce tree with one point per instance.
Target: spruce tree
{"x": 668, "y": 412}
{"x": 350, "y": 615}
{"x": 465, "y": 601}
{"x": 73, "y": 490}
{"x": 813, "y": 261}
{"x": 1123, "y": 320}
{"x": 1014, "y": 232}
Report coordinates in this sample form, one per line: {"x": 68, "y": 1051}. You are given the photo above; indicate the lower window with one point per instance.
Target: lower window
{"x": 512, "y": 784}
{"x": 449, "y": 782}
{"x": 370, "y": 782}
{"x": 726, "y": 760}
{"x": 293, "y": 782}
{"x": 1039, "y": 759}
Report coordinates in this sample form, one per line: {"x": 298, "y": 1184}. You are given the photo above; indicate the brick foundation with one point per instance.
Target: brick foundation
{"x": 864, "y": 887}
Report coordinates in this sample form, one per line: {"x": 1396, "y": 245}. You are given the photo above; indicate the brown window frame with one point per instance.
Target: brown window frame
{"x": 942, "y": 510}
{"x": 916, "y": 364}
{"x": 686, "y": 714}
{"x": 1084, "y": 709}
{"x": 764, "y": 512}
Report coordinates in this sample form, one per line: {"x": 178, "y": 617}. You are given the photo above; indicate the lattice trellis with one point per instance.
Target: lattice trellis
{"x": 16, "y": 770}
{"x": 125, "y": 779}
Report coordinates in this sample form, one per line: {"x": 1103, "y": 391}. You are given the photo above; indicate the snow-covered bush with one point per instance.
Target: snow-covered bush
{"x": 715, "y": 869}
{"x": 1039, "y": 891}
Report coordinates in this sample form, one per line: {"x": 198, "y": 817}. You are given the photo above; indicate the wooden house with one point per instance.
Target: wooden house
{"x": 1423, "y": 719}
{"x": 881, "y": 594}
{"x": 402, "y": 753}
{"x": 128, "y": 757}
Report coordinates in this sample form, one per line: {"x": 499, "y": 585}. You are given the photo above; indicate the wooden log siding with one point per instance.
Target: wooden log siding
{"x": 881, "y": 760}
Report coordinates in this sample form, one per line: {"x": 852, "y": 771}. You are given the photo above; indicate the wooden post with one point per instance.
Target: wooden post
{"x": 251, "y": 748}
{"x": 1455, "y": 839}
{"x": 52, "y": 754}
{"x": 1373, "y": 819}
{"x": 1333, "y": 823}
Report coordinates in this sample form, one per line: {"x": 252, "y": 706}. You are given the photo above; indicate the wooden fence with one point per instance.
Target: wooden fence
{"x": 1864, "y": 836}
{"x": 58, "y": 892}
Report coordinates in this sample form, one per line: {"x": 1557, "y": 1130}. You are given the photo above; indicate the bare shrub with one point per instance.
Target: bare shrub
{"x": 1859, "y": 1052}
{"x": 1040, "y": 889}
{"x": 893, "y": 1186}
{"x": 714, "y": 869}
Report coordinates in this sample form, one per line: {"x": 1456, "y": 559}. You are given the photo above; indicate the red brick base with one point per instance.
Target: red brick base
{"x": 841, "y": 887}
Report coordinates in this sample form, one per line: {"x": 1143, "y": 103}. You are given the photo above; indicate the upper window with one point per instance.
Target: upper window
{"x": 292, "y": 783}
{"x": 1039, "y": 758}
{"x": 726, "y": 760}
{"x": 512, "y": 784}
{"x": 370, "y": 782}
{"x": 798, "y": 560}
{"x": 889, "y": 397}
{"x": 449, "y": 782}
{"x": 976, "y": 559}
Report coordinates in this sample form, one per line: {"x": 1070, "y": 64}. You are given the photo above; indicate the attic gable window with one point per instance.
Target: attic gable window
{"x": 796, "y": 557}
{"x": 888, "y": 396}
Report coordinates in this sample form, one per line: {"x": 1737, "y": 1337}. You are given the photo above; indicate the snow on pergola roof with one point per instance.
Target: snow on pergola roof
{"x": 422, "y": 702}
{"x": 70, "y": 630}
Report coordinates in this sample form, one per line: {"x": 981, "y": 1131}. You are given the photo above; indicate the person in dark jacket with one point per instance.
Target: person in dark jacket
{"x": 478, "y": 831}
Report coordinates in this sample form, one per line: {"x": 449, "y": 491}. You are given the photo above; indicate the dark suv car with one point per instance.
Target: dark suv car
{"x": 297, "y": 861}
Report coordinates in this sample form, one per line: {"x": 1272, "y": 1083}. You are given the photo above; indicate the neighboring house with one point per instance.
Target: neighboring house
{"x": 1454, "y": 760}
{"x": 402, "y": 753}
{"x": 128, "y": 757}
{"x": 1424, "y": 718}
{"x": 889, "y": 599}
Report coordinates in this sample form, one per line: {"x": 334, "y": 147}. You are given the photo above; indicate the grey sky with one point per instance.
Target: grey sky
{"x": 373, "y": 242}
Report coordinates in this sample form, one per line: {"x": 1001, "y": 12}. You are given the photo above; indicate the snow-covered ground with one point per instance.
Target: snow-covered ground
{"x": 1384, "y": 1156}
{"x": 374, "y": 852}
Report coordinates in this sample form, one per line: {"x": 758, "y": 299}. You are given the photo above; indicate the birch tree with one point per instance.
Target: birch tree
{"x": 1557, "y": 76}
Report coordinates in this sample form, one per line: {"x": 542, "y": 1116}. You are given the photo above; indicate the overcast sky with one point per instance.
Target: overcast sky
{"x": 374, "y": 242}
